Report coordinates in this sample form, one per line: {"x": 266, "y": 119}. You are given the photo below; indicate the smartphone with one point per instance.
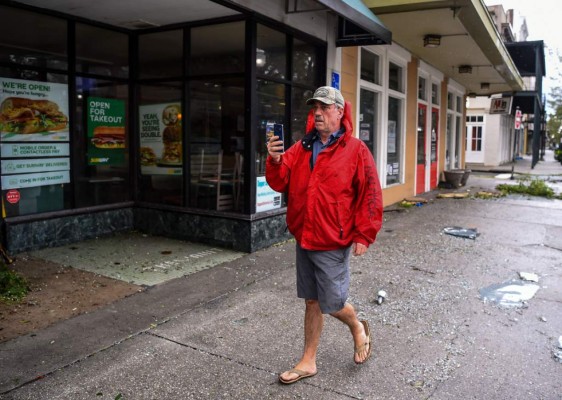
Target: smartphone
{"x": 278, "y": 131}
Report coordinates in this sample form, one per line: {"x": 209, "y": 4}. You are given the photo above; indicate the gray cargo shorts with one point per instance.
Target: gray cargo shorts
{"x": 323, "y": 276}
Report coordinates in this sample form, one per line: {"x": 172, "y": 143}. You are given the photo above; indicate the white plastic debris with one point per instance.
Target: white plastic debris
{"x": 470, "y": 233}
{"x": 528, "y": 276}
{"x": 381, "y": 295}
{"x": 560, "y": 342}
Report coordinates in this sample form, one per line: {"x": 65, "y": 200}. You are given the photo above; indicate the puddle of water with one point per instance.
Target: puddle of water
{"x": 509, "y": 294}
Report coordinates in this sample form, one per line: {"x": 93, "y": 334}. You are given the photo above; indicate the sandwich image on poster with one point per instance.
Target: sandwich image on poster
{"x": 109, "y": 137}
{"x": 106, "y": 131}
{"x": 171, "y": 136}
{"x": 33, "y": 111}
{"x": 160, "y": 139}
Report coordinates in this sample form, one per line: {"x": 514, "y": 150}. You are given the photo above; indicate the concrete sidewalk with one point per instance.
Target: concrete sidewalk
{"x": 227, "y": 331}
{"x": 548, "y": 168}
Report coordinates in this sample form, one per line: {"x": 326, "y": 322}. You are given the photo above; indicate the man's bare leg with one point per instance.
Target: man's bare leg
{"x": 313, "y": 324}
{"x": 348, "y": 316}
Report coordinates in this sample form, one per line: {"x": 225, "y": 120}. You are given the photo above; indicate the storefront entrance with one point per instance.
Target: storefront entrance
{"x": 421, "y": 157}
{"x": 434, "y": 146}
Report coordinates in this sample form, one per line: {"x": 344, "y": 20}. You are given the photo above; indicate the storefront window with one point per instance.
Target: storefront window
{"x": 394, "y": 141}
{"x": 160, "y": 143}
{"x": 368, "y": 122}
{"x": 35, "y": 143}
{"x": 449, "y": 141}
{"x": 305, "y": 62}
{"x": 111, "y": 59}
{"x": 435, "y": 97}
{"x": 299, "y": 113}
{"x": 161, "y": 54}
{"x": 422, "y": 88}
{"x": 271, "y": 110}
{"x": 271, "y": 53}
{"x": 370, "y": 67}
{"x": 217, "y": 133}
{"x": 100, "y": 139}
{"x": 395, "y": 79}
{"x": 458, "y": 149}
{"x": 32, "y": 40}
{"x": 218, "y": 49}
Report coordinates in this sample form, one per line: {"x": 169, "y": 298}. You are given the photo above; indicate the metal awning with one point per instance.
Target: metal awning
{"x": 358, "y": 26}
{"x": 528, "y": 57}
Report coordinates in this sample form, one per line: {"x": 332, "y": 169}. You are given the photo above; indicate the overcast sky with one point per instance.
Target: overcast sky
{"x": 544, "y": 22}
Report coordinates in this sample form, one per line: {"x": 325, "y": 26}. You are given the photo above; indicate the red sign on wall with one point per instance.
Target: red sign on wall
{"x": 518, "y": 117}
{"x": 13, "y": 196}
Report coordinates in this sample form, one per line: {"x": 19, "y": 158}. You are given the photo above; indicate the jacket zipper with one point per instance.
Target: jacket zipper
{"x": 339, "y": 220}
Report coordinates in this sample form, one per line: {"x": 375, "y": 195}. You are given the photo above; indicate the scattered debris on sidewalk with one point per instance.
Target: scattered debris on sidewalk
{"x": 469, "y": 233}
{"x": 528, "y": 276}
{"x": 485, "y": 195}
{"x": 381, "y": 296}
{"x": 415, "y": 268}
{"x": 412, "y": 201}
{"x": 453, "y": 195}
{"x": 513, "y": 293}
{"x": 557, "y": 354}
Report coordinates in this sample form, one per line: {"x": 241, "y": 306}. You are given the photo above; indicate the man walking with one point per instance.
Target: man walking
{"x": 334, "y": 209}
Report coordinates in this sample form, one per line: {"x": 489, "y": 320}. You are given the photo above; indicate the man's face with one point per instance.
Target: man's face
{"x": 327, "y": 117}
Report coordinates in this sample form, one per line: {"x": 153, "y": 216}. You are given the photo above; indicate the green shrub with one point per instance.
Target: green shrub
{"x": 13, "y": 287}
{"x": 535, "y": 187}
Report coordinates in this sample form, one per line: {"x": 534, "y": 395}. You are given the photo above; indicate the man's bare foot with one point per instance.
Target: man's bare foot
{"x": 301, "y": 370}
{"x": 362, "y": 344}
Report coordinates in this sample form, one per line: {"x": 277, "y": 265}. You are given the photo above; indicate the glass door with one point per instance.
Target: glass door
{"x": 421, "y": 156}
{"x": 434, "y": 146}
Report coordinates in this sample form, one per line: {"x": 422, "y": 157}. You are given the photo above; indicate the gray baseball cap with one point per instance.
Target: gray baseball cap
{"x": 327, "y": 95}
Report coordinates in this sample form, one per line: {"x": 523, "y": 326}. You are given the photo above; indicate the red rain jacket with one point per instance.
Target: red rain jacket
{"x": 337, "y": 203}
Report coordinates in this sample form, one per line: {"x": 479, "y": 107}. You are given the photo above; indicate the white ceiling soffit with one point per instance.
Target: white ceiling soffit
{"x": 135, "y": 14}
{"x": 468, "y": 38}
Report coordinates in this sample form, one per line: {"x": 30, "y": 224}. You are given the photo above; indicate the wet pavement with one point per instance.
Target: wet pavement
{"x": 227, "y": 331}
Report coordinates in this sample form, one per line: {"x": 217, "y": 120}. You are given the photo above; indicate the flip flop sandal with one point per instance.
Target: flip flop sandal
{"x": 368, "y": 342}
{"x": 300, "y": 375}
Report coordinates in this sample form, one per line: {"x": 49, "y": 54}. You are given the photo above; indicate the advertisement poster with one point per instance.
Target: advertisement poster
{"x": 33, "y": 180}
{"x": 33, "y": 111}
{"x": 160, "y": 139}
{"x": 106, "y": 131}
{"x": 266, "y": 197}
{"x": 26, "y": 150}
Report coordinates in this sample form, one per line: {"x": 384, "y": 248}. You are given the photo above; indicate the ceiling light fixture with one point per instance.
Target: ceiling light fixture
{"x": 431, "y": 41}
{"x": 484, "y": 85}
{"x": 260, "y": 58}
{"x": 465, "y": 69}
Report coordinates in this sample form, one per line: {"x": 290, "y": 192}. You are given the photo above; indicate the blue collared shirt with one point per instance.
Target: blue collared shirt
{"x": 318, "y": 146}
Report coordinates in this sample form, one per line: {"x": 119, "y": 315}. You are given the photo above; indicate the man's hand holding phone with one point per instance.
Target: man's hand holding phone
{"x": 275, "y": 148}
{"x": 276, "y": 145}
